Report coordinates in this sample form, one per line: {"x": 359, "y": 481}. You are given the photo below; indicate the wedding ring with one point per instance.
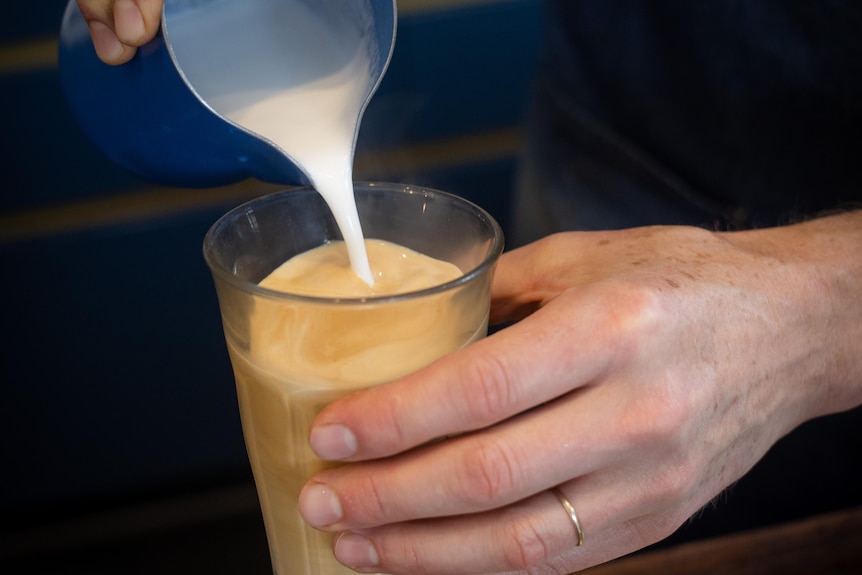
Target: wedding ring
{"x": 571, "y": 512}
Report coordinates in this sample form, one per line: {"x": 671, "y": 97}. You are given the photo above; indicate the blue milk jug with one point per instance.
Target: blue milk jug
{"x": 147, "y": 116}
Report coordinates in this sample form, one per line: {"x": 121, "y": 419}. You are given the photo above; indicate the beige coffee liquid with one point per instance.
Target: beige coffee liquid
{"x": 300, "y": 355}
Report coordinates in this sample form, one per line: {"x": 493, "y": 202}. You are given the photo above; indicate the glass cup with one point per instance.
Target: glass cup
{"x": 294, "y": 354}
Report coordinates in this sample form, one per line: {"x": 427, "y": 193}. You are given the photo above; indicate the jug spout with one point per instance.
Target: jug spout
{"x": 165, "y": 117}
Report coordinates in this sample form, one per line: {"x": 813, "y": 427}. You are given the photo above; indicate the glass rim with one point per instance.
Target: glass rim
{"x": 494, "y": 252}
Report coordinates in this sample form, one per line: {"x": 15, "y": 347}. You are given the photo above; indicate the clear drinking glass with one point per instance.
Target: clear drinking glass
{"x": 322, "y": 348}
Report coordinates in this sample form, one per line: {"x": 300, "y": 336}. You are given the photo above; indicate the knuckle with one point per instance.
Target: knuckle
{"x": 366, "y": 505}
{"x": 490, "y": 391}
{"x": 672, "y": 488}
{"x": 668, "y": 424}
{"x": 634, "y": 309}
{"x": 660, "y": 419}
{"x": 674, "y": 485}
{"x": 381, "y": 421}
{"x": 405, "y": 556}
{"x": 523, "y": 546}
{"x": 397, "y": 551}
{"x": 672, "y": 422}
{"x": 392, "y": 424}
{"x": 488, "y": 474}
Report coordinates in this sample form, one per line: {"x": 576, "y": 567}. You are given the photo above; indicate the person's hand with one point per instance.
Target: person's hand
{"x": 650, "y": 369}
{"x": 119, "y": 27}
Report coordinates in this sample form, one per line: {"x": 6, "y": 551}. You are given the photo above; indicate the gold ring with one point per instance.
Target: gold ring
{"x": 571, "y": 512}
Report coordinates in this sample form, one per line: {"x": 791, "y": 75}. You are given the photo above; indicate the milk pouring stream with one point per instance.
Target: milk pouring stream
{"x": 270, "y": 89}
{"x": 269, "y": 79}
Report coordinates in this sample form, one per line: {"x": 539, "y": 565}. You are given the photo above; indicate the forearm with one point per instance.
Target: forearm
{"x": 823, "y": 294}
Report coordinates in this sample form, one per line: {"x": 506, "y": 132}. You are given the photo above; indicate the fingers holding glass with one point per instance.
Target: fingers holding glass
{"x": 467, "y": 505}
{"x": 511, "y": 539}
{"x": 491, "y": 381}
{"x": 492, "y": 487}
{"x": 534, "y": 535}
{"x": 469, "y": 473}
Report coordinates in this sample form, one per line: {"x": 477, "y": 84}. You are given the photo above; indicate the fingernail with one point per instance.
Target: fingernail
{"x": 128, "y": 21}
{"x": 319, "y": 505}
{"x": 332, "y": 442}
{"x": 107, "y": 46}
{"x": 355, "y": 551}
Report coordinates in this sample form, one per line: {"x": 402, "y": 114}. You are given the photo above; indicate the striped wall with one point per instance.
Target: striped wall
{"x": 115, "y": 378}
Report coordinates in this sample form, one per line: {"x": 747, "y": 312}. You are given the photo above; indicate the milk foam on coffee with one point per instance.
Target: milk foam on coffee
{"x": 345, "y": 345}
{"x": 325, "y": 272}
{"x": 282, "y": 71}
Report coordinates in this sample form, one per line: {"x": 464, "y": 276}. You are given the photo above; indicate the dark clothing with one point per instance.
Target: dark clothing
{"x": 725, "y": 113}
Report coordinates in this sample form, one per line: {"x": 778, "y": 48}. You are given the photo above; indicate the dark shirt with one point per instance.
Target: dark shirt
{"x": 724, "y": 113}
{"x": 727, "y": 113}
